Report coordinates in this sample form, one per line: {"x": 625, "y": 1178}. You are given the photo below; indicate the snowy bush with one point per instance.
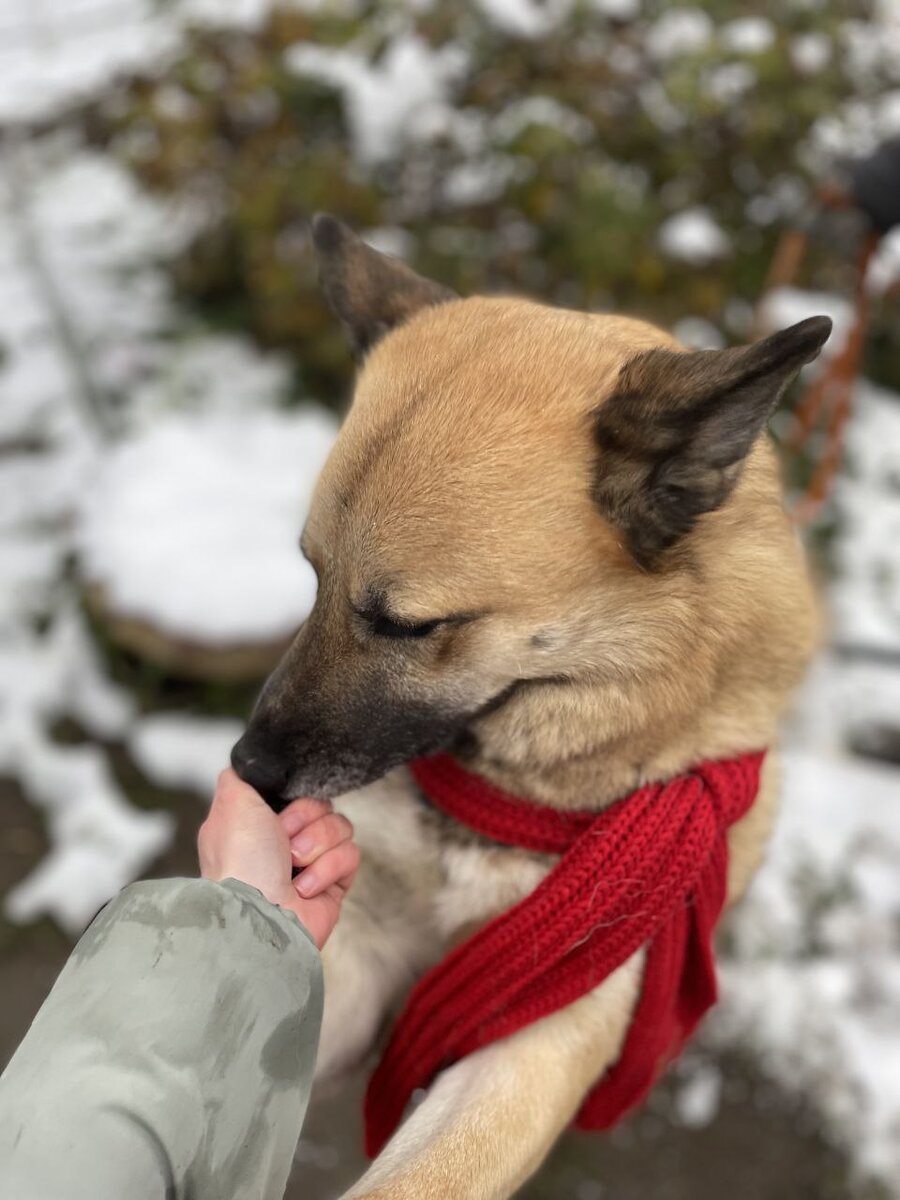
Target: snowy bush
{"x": 518, "y": 146}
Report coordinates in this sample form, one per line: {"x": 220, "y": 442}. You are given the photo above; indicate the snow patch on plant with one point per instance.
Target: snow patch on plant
{"x": 387, "y": 101}
{"x": 693, "y": 236}
{"x": 58, "y": 55}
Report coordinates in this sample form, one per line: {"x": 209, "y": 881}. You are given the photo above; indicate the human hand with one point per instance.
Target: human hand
{"x": 243, "y": 839}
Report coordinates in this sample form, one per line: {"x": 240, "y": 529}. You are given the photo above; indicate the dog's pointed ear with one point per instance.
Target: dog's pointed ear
{"x": 370, "y": 293}
{"x": 674, "y": 435}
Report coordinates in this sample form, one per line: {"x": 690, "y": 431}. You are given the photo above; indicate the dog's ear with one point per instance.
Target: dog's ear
{"x": 370, "y": 293}
{"x": 675, "y": 433}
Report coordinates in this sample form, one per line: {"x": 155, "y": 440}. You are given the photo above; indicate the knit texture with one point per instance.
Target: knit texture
{"x": 649, "y": 870}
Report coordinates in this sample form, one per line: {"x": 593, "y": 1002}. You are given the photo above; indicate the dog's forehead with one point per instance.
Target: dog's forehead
{"x": 469, "y": 428}
{"x": 475, "y": 387}
{"x": 505, "y": 352}
{"x": 480, "y": 383}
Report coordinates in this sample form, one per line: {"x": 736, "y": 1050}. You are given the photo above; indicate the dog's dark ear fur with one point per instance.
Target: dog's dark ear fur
{"x": 674, "y": 435}
{"x": 370, "y": 293}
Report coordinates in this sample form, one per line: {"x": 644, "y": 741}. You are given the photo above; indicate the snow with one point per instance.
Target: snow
{"x": 92, "y": 370}
{"x": 698, "y": 334}
{"x": 693, "y": 236}
{"x": 679, "y": 32}
{"x": 525, "y": 18}
{"x": 192, "y": 524}
{"x": 810, "y": 52}
{"x": 479, "y": 182}
{"x": 813, "y": 981}
{"x": 99, "y": 843}
{"x": 208, "y": 373}
{"x": 57, "y": 55}
{"x": 729, "y": 82}
{"x": 78, "y": 314}
{"x": 884, "y": 267}
{"x": 866, "y": 595}
{"x": 181, "y": 751}
{"x": 697, "y": 1099}
{"x": 748, "y": 35}
{"x": 617, "y": 10}
{"x": 541, "y": 110}
{"x": 388, "y": 100}
{"x": 786, "y": 306}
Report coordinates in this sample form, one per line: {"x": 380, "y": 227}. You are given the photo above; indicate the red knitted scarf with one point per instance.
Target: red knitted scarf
{"x": 650, "y": 870}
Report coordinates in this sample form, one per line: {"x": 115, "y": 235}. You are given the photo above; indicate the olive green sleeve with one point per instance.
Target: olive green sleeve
{"x": 173, "y": 1057}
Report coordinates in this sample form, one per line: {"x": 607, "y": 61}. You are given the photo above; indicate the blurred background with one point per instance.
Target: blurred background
{"x": 170, "y": 384}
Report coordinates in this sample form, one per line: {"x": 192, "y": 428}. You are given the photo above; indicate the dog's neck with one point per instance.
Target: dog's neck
{"x": 587, "y": 745}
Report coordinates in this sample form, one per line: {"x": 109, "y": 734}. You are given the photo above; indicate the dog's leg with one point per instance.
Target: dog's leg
{"x": 488, "y": 1122}
{"x": 386, "y": 937}
{"x": 368, "y": 965}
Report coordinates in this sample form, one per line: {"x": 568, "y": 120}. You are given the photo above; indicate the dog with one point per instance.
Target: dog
{"x": 553, "y": 543}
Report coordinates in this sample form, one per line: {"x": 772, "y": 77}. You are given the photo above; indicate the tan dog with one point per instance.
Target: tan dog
{"x": 555, "y": 543}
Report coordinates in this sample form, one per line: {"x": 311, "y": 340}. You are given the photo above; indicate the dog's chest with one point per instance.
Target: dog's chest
{"x": 455, "y": 878}
{"x": 481, "y": 881}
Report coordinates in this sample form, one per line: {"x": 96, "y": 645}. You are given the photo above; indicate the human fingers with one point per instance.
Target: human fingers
{"x": 319, "y": 835}
{"x": 334, "y": 868}
{"x": 299, "y": 813}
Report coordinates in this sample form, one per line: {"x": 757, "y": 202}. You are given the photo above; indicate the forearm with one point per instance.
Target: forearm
{"x": 173, "y": 1056}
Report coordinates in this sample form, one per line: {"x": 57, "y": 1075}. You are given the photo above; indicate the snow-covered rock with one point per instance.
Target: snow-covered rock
{"x": 192, "y": 525}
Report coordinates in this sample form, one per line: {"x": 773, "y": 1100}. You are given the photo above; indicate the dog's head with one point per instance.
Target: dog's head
{"x": 512, "y": 501}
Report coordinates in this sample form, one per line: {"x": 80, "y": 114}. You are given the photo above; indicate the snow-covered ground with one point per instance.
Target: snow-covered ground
{"x": 811, "y": 982}
{"x": 107, "y": 391}
{"x": 118, "y": 441}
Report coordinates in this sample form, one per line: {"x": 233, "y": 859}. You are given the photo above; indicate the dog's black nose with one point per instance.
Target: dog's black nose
{"x": 264, "y": 771}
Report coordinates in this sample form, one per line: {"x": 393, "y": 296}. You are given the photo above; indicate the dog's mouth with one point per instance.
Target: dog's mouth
{"x": 316, "y": 761}
{"x": 281, "y": 779}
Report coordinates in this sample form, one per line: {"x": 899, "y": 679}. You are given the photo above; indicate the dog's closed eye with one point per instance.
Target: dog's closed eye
{"x": 382, "y": 622}
{"x": 385, "y": 623}
{"x": 386, "y": 627}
